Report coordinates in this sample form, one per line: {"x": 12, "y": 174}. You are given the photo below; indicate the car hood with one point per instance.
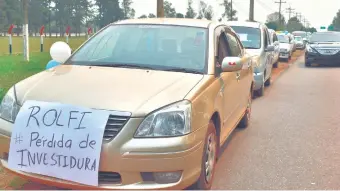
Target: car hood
{"x": 134, "y": 90}
{"x": 254, "y": 52}
{"x": 285, "y": 45}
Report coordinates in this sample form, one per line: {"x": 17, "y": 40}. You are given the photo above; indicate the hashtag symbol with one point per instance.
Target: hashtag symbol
{"x": 18, "y": 139}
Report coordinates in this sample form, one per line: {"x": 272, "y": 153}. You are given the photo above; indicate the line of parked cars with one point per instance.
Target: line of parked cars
{"x": 183, "y": 86}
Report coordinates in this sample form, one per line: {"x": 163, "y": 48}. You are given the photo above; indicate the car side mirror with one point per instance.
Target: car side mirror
{"x": 269, "y": 48}
{"x": 276, "y": 43}
{"x": 231, "y": 64}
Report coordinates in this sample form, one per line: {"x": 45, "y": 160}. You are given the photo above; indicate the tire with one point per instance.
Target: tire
{"x": 275, "y": 65}
{"x": 247, "y": 114}
{"x": 267, "y": 82}
{"x": 204, "y": 182}
{"x": 260, "y": 92}
{"x": 308, "y": 64}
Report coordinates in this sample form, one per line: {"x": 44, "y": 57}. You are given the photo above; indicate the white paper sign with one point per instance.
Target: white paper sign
{"x": 58, "y": 140}
{"x": 243, "y": 37}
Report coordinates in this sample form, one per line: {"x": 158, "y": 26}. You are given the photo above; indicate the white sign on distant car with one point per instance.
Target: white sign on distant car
{"x": 58, "y": 140}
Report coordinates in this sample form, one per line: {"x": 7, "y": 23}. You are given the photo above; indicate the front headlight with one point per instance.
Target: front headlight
{"x": 9, "y": 108}
{"x": 310, "y": 49}
{"x": 170, "y": 121}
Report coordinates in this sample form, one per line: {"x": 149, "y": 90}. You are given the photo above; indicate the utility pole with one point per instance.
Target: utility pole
{"x": 160, "y": 8}
{"x": 280, "y": 3}
{"x": 25, "y": 31}
{"x": 231, "y": 9}
{"x": 290, "y": 11}
{"x": 298, "y": 16}
{"x": 304, "y": 22}
{"x": 251, "y": 10}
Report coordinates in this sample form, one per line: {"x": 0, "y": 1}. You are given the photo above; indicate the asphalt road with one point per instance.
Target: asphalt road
{"x": 293, "y": 141}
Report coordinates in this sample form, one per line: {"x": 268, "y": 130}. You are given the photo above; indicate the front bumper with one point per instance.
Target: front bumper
{"x": 284, "y": 55}
{"x": 318, "y": 58}
{"x": 132, "y": 160}
{"x": 300, "y": 46}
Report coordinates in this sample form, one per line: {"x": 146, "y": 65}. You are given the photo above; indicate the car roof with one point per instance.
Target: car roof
{"x": 169, "y": 21}
{"x": 244, "y": 23}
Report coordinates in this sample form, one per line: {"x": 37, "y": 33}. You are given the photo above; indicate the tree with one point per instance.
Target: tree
{"x": 12, "y": 11}
{"x": 109, "y": 11}
{"x": 294, "y": 25}
{"x": 179, "y": 15}
{"x": 336, "y": 21}
{"x": 128, "y": 12}
{"x": 228, "y": 13}
{"x": 151, "y": 15}
{"x": 273, "y": 25}
{"x": 205, "y": 11}
{"x": 169, "y": 11}
{"x": 190, "y": 11}
{"x": 3, "y": 17}
{"x": 274, "y": 18}
{"x": 142, "y": 17}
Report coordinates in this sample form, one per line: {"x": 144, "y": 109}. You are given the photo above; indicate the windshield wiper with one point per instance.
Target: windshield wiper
{"x": 250, "y": 47}
{"x": 183, "y": 70}
{"x": 124, "y": 66}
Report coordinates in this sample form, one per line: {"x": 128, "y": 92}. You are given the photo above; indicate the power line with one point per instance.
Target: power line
{"x": 280, "y": 3}
{"x": 290, "y": 11}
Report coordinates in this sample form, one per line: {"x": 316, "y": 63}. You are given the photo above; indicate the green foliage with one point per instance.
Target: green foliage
{"x": 294, "y": 25}
{"x": 190, "y": 11}
{"x": 13, "y": 69}
{"x": 169, "y": 11}
{"x": 205, "y": 11}
{"x": 336, "y": 21}
{"x": 228, "y": 13}
{"x": 179, "y": 15}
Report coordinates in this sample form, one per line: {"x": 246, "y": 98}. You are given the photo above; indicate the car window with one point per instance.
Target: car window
{"x": 275, "y": 38}
{"x": 235, "y": 49}
{"x": 222, "y": 48}
{"x": 283, "y": 38}
{"x": 325, "y": 37}
{"x": 160, "y": 47}
{"x": 249, "y": 36}
{"x": 266, "y": 39}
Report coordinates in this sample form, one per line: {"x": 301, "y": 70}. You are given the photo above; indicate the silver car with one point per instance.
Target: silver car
{"x": 275, "y": 42}
{"x": 256, "y": 40}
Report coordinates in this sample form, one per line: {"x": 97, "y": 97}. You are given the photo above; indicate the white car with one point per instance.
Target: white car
{"x": 286, "y": 46}
{"x": 275, "y": 42}
{"x": 300, "y": 45}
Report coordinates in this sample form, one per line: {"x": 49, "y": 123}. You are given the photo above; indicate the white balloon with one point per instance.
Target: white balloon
{"x": 60, "y": 51}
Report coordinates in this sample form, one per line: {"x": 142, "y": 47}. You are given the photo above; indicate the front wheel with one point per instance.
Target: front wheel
{"x": 275, "y": 65}
{"x": 209, "y": 160}
{"x": 267, "y": 82}
{"x": 307, "y": 64}
{"x": 246, "y": 118}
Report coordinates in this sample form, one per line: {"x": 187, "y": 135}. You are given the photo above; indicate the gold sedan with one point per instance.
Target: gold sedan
{"x": 176, "y": 88}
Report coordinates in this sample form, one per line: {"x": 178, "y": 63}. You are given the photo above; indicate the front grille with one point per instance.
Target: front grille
{"x": 113, "y": 126}
{"x": 283, "y": 50}
{"x": 109, "y": 178}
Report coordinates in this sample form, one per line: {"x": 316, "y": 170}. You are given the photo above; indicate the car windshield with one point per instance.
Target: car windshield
{"x": 283, "y": 38}
{"x": 158, "y": 47}
{"x": 250, "y": 37}
{"x": 298, "y": 38}
{"x": 325, "y": 37}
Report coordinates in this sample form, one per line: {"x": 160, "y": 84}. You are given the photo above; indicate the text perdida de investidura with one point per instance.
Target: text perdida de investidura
{"x": 29, "y": 158}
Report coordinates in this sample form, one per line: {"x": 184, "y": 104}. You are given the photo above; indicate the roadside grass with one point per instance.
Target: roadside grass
{"x": 13, "y": 69}
{"x": 34, "y": 44}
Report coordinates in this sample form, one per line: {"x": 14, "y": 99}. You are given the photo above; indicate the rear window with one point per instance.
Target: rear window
{"x": 250, "y": 37}
{"x": 283, "y": 38}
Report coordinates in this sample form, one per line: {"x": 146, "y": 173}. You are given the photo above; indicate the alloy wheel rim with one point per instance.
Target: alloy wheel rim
{"x": 210, "y": 157}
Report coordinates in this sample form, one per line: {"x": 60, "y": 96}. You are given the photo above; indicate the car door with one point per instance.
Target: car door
{"x": 268, "y": 55}
{"x": 244, "y": 75}
{"x": 276, "y": 47}
{"x": 229, "y": 85}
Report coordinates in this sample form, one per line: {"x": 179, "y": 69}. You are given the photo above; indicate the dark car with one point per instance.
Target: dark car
{"x": 323, "y": 48}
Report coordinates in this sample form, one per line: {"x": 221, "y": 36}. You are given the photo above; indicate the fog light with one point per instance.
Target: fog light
{"x": 167, "y": 177}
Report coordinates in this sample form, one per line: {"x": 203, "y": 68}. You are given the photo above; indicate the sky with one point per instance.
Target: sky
{"x": 317, "y": 12}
